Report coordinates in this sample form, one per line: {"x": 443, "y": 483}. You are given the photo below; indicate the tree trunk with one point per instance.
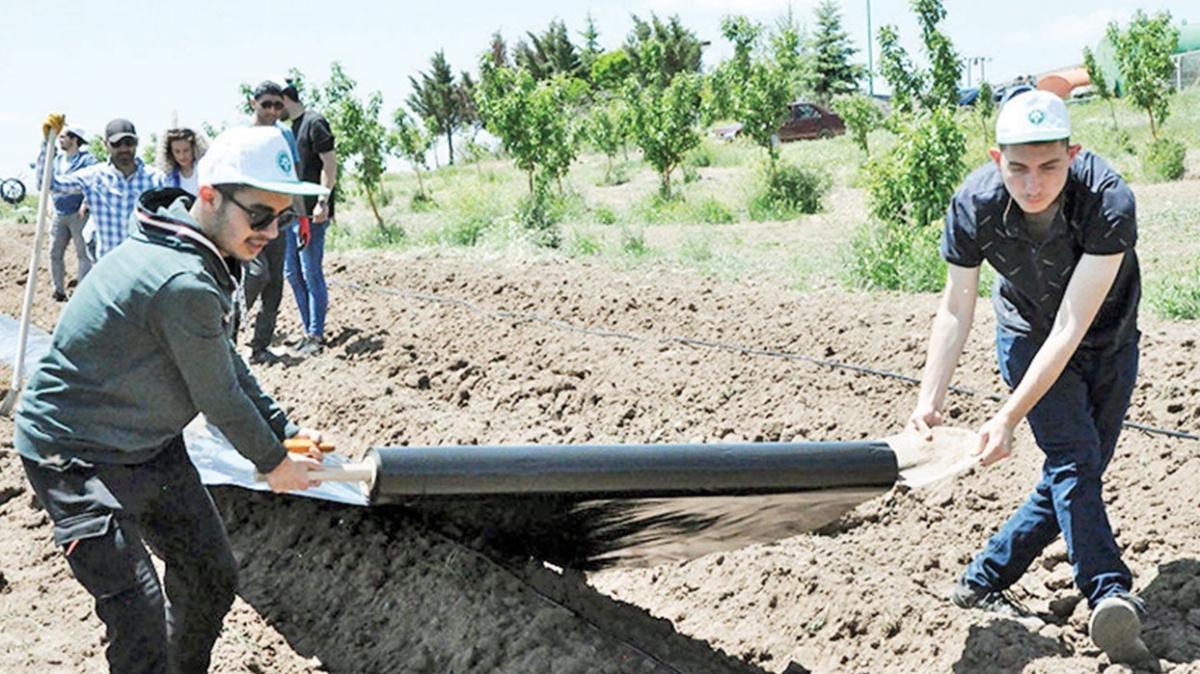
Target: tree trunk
{"x": 420, "y": 184}
{"x": 1153, "y": 128}
{"x": 1112, "y": 110}
{"x": 450, "y": 144}
{"x": 608, "y": 170}
{"x": 530, "y": 174}
{"x": 666, "y": 184}
{"x": 375, "y": 209}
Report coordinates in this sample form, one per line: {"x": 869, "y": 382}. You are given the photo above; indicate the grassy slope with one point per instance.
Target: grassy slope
{"x": 623, "y": 224}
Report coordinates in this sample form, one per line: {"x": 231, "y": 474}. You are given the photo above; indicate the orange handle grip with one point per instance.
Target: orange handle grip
{"x": 299, "y": 445}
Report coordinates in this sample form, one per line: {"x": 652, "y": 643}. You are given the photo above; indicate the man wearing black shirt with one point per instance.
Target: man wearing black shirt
{"x": 305, "y": 251}
{"x": 1058, "y": 225}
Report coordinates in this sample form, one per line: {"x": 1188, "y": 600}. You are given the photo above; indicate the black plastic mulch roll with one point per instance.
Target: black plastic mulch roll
{"x": 592, "y": 506}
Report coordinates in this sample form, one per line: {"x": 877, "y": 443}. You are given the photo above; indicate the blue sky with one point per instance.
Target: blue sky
{"x": 151, "y": 61}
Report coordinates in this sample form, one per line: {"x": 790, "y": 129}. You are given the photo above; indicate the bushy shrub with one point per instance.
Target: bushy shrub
{"x": 605, "y": 215}
{"x": 690, "y": 174}
{"x": 1164, "y": 160}
{"x": 895, "y": 256}
{"x": 789, "y": 191}
{"x": 713, "y": 212}
{"x": 633, "y": 243}
{"x": 1177, "y": 298}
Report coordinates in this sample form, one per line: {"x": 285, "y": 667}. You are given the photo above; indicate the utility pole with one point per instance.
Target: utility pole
{"x": 870, "y": 54}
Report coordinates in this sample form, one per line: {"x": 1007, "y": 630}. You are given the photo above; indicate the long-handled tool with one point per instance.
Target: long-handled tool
{"x": 9, "y": 404}
{"x": 587, "y": 506}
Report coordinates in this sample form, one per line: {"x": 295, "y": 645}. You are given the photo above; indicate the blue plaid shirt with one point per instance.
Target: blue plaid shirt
{"x": 111, "y": 197}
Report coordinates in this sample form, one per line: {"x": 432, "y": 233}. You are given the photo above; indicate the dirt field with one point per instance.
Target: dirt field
{"x": 329, "y": 588}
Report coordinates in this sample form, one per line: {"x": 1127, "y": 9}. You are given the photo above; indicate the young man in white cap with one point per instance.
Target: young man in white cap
{"x": 1058, "y": 225}
{"x": 141, "y": 349}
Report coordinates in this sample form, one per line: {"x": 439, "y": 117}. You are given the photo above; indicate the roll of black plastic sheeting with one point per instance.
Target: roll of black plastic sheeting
{"x": 630, "y": 471}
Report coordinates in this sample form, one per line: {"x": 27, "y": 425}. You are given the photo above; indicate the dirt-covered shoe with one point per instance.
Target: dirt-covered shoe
{"x": 262, "y": 357}
{"x": 1002, "y": 604}
{"x": 311, "y": 346}
{"x": 1116, "y": 629}
{"x": 60, "y": 296}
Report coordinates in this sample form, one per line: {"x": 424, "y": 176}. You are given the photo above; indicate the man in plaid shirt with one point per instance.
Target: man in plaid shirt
{"x": 111, "y": 189}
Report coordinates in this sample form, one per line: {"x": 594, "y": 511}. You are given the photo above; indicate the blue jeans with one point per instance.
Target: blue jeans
{"x": 1076, "y": 424}
{"x": 302, "y": 268}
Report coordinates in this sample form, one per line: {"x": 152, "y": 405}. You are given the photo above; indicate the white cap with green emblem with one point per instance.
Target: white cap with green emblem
{"x": 1032, "y": 117}
{"x": 257, "y": 156}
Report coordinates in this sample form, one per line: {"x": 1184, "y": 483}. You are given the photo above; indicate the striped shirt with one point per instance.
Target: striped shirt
{"x": 111, "y": 198}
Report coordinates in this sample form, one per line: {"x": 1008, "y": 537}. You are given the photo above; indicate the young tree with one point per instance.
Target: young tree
{"x": 789, "y": 49}
{"x": 722, "y": 88}
{"x": 1144, "y": 58}
{"x": 411, "y": 141}
{"x": 763, "y": 107}
{"x": 611, "y": 69}
{"x": 861, "y": 116}
{"x": 833, "y": 74}
{"x": 607, "y": 128}
{"x": 363, "y": 141}
{"x": 985, "y": 107}
{"x": 441, "y": 101}
{"x": 1100, "y": 84}
{"x": 664, "y": 120}
{"x": 897, "y": 68}
{"x": 945, "y": 66}
{"x": 534, "y": 120}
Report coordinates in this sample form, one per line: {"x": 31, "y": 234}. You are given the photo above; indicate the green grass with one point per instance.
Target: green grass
{"x": 710, "y": 227}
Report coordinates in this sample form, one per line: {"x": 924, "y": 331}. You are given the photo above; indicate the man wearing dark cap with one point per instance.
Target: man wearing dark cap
{"x": 68, "y": 212}
{"x": 111, "y": 189}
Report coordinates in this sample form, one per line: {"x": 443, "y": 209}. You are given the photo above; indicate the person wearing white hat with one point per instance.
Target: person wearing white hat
{"x": 69, "y": 212}
{"x": 1058, "y": 225}
{"x": 140, "y": 350}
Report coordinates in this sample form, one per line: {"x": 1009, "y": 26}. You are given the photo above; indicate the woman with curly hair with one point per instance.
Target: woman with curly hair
{"x": 178, "y": 152}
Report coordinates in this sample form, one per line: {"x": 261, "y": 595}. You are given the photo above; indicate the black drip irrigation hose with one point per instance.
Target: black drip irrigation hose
{"x": 709, "y": 344}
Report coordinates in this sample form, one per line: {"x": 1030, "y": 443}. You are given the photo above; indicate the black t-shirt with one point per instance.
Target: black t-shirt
{"x": 1097, "y": 216}
{"x": 313, "y": 136}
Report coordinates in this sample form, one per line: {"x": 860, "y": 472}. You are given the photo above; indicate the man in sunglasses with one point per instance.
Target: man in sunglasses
{"x": 264, "y": 276}
{"x": 111, "y": 189}
{"x": 141, "y": 349}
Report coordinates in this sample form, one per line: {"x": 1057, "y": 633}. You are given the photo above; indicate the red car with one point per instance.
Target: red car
{"x": 809, "y": 120}
{"x": 806, "y": 121}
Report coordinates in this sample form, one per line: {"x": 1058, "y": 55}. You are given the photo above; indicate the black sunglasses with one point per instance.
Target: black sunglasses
{"x": 271, "y": 105}
{"x": 261, "y": 219}
{"x": 125, "y": 142}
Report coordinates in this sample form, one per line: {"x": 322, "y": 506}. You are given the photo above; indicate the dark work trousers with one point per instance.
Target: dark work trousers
{"x": 1076, "y": 425}
{"x": 102, "y": 513}
{"x": 266, "y": 281}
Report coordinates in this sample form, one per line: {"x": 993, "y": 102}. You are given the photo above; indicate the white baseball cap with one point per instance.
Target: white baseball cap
{"x": 257, "y": 156}
{"x": 1032, "y": 117}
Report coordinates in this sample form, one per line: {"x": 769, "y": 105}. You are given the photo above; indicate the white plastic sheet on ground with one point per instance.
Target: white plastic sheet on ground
{"x": 214, "y": 457}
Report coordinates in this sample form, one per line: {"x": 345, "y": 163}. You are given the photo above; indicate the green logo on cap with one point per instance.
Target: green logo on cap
{"x": 284, "y": 161}
{"x": 1036, "y": 117}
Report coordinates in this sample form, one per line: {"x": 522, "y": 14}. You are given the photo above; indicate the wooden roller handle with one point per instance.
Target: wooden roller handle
{"x": 349, "y": 472}
{"x": 301, "y": 445}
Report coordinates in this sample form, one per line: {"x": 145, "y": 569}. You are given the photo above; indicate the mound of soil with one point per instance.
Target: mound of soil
{"x": 439, "y": 350}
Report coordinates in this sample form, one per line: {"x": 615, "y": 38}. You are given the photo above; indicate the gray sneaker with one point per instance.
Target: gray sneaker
{"x": 311, "y": 345}
{"x": 1002, "y": 604}
{"x": 1116, "y": 628}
